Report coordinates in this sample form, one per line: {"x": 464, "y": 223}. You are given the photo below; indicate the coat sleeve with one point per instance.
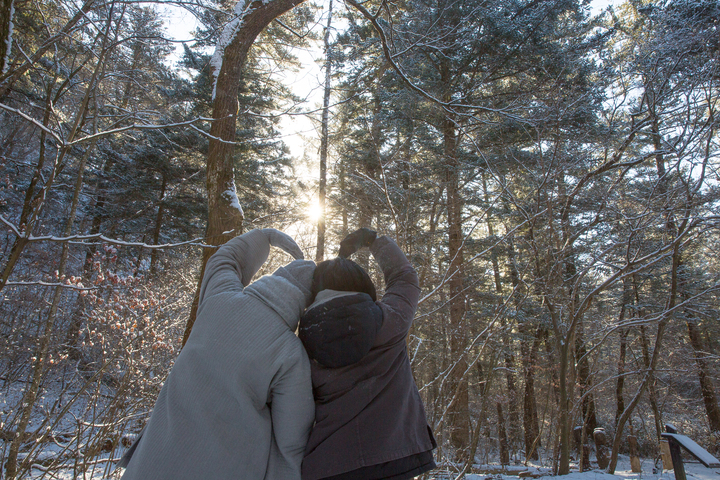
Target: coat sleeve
{"x": 293, "y": 412}
{"x": 233, "y": 266}
{"x": 402, "y": 290}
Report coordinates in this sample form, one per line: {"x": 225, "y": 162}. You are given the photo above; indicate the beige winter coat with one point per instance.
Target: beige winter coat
{"x": 238, "y": 402}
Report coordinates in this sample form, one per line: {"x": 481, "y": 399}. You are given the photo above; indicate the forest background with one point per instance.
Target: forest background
{"x": 550, "y": 170}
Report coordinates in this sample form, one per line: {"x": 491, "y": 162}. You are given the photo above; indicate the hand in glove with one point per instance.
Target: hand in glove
{"x": 362, "y": 237}
{"x": 284, "y": 242}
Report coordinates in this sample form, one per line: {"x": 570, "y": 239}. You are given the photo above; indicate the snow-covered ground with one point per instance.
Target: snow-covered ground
{"x": 693, "y": 471}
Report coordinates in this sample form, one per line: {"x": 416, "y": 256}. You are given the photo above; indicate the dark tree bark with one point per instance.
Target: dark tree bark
{"x": 706, "y": 384}
{"x": 620, "y": 384}
{"x": 158, "y": 224}
{"x": 502, "y": 437}
{"x": 529, "y": 349}
{"x": 460, "y": 413}
{"x": 622, "y": 354}
{"x": 583, "y": 380}
{"x": 324, "y": 140}
{"x": 30, "y": 202}
{"x": 514, "y": 405}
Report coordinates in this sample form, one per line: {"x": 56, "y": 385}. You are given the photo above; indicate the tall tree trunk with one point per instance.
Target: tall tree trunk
{"x": 512, "y": 390}
{"x": 320, "y": 255}
{"x": 225, "y": 215}
{"x": 158, "y": 224}
{"x": 706, "y": 384}
{"x": 460, "y": 413}
{"x": 622, "y": 354}
{"x": 30, "y": 204}
{"x": 372, "y": 167}
{"x": 583, "y": 380}
{"x": 645, "y": 346}
{"x": 344, "y": 213}
{"x": 620, "y": 383}
{"x": 502, "y": 436}
{"x": 564, "y": 408}
{"x": 529, "y": 348}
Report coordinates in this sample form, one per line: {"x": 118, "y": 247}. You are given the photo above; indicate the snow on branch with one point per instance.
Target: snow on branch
{"x": 212, "y": 137}
{"x": 83, "y": 239}
{"x": 106, "y": 133}
{"x": 143, "y": 126}
{"x": 226, "y": 37}
{"x": 49, "y": 284}
{"x": 34, "y": 122}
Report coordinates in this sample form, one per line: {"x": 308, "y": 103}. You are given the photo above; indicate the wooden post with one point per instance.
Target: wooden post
{"x": 665, "y": 455}
{"x": 634, "y": 456}
{"x": 601, "y": 448}
{"x": 677, "y": 462}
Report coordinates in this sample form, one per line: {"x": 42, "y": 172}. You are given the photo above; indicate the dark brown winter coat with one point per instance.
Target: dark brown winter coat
{"x": 370, "y": 412}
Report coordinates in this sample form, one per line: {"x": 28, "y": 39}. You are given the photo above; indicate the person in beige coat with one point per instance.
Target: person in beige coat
{"x": 238, "y": 402}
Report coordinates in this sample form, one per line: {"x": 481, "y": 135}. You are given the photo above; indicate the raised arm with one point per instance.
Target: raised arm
{"x": 402, "y": 289}
{"x": 234, "y": 265}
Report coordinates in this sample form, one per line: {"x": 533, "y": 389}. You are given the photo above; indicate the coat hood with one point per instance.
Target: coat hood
{"x": 339, "y": 328}
{"x": 289, "y": 297}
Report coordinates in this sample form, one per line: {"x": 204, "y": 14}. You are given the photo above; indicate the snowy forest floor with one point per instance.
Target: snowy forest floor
{"x": 57, "y": 458}
{"x": 693, "y": 471}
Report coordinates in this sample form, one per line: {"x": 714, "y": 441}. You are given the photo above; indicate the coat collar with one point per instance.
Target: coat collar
{"x": 327, "y": 295}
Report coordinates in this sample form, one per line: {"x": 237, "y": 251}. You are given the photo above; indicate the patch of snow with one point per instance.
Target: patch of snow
{"x": 231, "y": 195}
{"x": 226, "y": 37}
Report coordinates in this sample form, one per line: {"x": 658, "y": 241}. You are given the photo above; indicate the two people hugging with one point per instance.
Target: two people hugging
{"x": 248, "y": 398}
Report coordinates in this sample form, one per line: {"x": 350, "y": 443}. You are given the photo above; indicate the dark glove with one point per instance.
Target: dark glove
{"x": 362, "y": 237}
{"x": 283, "y": 241}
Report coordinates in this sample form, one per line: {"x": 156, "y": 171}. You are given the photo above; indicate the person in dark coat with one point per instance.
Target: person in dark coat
{"x": 370, "y": 422}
